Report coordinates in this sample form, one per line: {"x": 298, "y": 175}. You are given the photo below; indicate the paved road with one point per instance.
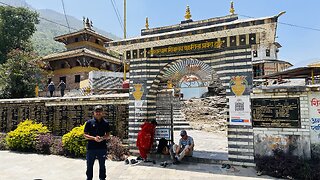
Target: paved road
{"x": 21, "y": 166}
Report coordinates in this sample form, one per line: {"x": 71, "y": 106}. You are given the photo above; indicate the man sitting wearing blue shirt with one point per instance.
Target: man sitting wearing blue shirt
{"x": 96, "y": 131}
{"x": 185, "y": 147}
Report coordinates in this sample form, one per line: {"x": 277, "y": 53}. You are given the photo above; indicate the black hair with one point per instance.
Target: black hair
{"x": 162, "y": 144}
{"x": 154, "y": 122}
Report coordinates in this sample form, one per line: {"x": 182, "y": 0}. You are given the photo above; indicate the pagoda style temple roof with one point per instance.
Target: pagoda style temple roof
{"x": 314, "y": 64}
{"x": 81, "y": 52}
{"x": 82, "y": 31}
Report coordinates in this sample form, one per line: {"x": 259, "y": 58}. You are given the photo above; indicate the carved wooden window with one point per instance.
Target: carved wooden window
{"x": 49, "y": 80}
{"x": 233, "y": 41}
{"x": 255, "y": 53}
{"x": 64, "y": 79}
{"x": 268, "y": 52}
{"x": 242, "y": 39}
{"x": 141, "y": 53}
{"x": 135, "y": 54}
{"x": 224, "y": 42}
{"x": 128, "y": 55}
{"x": 77, "y": 78}
{"x": 252, "y": 39}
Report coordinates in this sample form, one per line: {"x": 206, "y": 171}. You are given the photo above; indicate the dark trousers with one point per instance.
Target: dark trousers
{"x": 62, "y": 93}
{"x": 51, "y": 93}
{"x": 100, "y": 154}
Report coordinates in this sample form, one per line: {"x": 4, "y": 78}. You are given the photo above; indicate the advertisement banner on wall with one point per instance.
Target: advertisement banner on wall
{"x": 239, "y": 110}
{"x": 314, "y": 117}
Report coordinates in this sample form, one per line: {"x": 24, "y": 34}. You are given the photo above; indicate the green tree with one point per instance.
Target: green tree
{"x": 16, "y": 28}
{"x": 19, "y": 75}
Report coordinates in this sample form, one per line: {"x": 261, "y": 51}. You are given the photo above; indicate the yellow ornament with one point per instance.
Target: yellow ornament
{"x": 238, "y": 85}
{"x": 137, "y": 94}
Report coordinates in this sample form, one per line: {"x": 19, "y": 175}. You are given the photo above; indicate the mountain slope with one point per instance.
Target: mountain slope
{"x": 43, "y": 38}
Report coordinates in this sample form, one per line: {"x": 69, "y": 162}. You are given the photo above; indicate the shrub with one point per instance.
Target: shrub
{"x": 3, "y": 144}
{"x": 43, "y": 143}
{"x": 285, "y": 165}
{"x": 74, "y": 142}
{"x": 56, "y": 147}
{"x": 116, "y": 150}
{"x": 24, "y": 137}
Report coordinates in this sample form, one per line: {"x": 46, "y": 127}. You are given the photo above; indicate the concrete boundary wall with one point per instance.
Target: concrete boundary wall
{"x": 295, "y": 140}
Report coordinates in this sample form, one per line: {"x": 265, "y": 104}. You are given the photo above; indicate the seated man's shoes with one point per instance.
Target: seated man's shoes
{"x": 126, "y": 161}
{"x": 176, "y": 160}
{"x": 133, "y": 161}
{"x": 177, "y": 157}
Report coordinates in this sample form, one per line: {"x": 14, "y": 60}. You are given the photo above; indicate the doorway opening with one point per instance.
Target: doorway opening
{"x": 191, "y": 97}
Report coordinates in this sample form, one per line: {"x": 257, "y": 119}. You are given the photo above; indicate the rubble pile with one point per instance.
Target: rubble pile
{"x": 207, "y": 114}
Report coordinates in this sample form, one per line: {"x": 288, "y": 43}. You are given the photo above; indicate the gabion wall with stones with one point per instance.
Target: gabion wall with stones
{"x": 60, "y": 115}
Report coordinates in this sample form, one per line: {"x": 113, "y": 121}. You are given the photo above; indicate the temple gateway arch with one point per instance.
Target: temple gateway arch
{"x": 225, "y": 47}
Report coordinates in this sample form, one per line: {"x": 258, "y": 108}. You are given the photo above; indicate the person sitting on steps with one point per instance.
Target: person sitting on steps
{"x": 185, "y": 147}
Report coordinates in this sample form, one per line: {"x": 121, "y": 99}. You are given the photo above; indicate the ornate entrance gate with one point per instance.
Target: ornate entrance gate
{"x": 185, "y": 53}
{"x": 188, "y": 72}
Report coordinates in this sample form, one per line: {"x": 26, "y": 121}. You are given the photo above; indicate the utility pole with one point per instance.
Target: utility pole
{"x": 125, "y": 19}
{"x": 124, "y": 36}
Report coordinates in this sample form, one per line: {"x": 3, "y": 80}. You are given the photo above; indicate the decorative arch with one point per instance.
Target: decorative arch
{"x": 179, "y": 70}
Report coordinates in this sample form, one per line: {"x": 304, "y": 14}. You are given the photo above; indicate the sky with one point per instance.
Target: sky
{"x": 300, "y": 46}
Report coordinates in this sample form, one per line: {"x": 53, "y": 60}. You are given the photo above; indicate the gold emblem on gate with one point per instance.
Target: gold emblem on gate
{"x": 138, "y": 91}
{"x": 238, "y": 84}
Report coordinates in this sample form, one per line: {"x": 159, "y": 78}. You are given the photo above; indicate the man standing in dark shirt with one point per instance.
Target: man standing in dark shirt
{"x": 96, "y": 131}
{"x": 62, "y": 87}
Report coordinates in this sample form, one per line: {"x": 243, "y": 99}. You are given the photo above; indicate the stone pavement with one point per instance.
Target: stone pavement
{"x": 23, "y": 166}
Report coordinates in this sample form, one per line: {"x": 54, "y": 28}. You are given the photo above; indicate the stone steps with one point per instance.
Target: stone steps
{"x": 179, "y": 121}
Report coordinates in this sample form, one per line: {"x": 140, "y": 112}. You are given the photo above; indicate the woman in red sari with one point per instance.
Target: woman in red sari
{"x": 145, "y": 138}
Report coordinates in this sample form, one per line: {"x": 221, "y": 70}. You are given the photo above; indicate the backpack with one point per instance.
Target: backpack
{"x": 162, "y": 143}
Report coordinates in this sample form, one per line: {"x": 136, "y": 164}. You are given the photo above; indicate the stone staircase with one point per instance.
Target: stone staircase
{"x": 179, "y": 120}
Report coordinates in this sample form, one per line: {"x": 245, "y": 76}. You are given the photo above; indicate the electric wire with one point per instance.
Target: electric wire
{"x": 288, "y": 24}
{"x": 65, "y": 15}
{"x": 51, "y": 21}
{"x": 120, "y": 22}
{"x": 117, "y": 14}
{"x": 117, "y": 11}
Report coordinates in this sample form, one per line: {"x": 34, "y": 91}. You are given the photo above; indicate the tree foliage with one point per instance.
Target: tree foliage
{"x": 19, "y": 76}
{"x": 16, "y": 28}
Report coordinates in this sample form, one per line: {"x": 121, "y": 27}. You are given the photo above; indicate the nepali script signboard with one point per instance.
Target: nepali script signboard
{"x": 186, "y": 48}
{"x": 239, "y": 110}
{"x": 276, "y": 112}
{"x": 314, "y": 115}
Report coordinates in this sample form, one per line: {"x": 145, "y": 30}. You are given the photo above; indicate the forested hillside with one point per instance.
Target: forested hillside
{"x": 42, "y": 40}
